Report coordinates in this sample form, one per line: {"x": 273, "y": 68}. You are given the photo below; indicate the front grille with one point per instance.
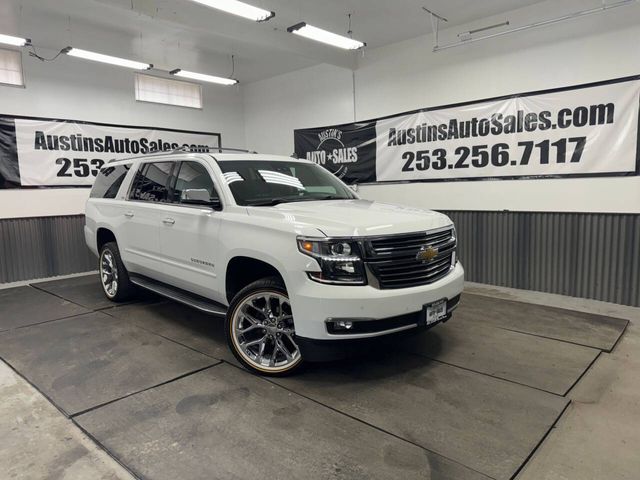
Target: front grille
{"x": 392, "y": 259}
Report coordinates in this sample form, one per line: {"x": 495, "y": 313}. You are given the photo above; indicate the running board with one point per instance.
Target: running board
{"x": 179, "y": 295}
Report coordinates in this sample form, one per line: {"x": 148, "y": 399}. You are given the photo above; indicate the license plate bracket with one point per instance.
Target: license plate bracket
{"x": 434, "y": 312}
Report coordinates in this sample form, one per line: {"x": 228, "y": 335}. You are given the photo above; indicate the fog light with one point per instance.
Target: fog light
{"x": 346, "y": 267}
{"x": 342, "y": 325}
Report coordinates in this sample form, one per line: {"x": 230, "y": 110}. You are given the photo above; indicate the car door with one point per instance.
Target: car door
{"x": 189, "y": 234}
{"x": 140, "y": 241}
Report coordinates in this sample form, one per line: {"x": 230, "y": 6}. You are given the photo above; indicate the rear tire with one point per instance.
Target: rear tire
{"x": 260, "y": 329}
{"x": 114, "y": 277}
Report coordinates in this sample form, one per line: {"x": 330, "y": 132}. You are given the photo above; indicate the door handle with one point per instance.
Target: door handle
{"x": 168, "y": 221}
{"x": 128, "y": 214}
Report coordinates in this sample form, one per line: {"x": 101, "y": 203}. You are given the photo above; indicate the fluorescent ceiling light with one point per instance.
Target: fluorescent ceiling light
{"x": 99, "y": 57}
{"x": 15, "y": 41}
{"x": 202, "y": 77}
{"x": 239, "y": 8}
{"x": 320, "y": 35}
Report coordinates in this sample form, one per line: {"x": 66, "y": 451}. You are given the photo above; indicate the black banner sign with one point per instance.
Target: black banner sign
{"x": 348, "y": 151}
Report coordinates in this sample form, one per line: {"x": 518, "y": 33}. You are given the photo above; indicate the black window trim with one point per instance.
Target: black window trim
{"x": 143, "y": 164}
{"x": 174, "y": 179}
{"x": 127, "y": 165}
{"x": 171, "y": 182}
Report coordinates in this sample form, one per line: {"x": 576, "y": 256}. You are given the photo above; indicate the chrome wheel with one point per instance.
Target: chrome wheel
{"x": 263, "y": 332}
{"x": 109, "y": 273}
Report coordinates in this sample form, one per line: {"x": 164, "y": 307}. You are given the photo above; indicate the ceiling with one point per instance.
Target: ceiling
{"x": 182, "y": 34}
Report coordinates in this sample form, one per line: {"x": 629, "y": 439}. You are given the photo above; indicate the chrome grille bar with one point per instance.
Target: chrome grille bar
{"x": 392, "y": 259}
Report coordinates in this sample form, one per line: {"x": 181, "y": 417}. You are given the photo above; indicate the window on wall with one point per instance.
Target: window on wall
{"x": 11, "y": 68}
{"x": 169, "y": 92}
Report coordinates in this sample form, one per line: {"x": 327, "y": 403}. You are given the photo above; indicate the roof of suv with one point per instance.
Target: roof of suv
{"x": 223, "y": 157}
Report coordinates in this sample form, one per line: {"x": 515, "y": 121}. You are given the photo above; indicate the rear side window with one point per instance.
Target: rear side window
{"x": 150, "y": 183}
{"x": 108, "y": 181}
{"x": 192, "y": 175}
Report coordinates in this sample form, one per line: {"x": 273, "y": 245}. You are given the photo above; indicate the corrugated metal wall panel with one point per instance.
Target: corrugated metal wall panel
{"x": 43, "y": 247}
{"x": 588, "y": 255}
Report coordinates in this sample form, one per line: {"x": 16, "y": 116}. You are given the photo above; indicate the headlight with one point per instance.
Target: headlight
{"x": 340, "y": 260}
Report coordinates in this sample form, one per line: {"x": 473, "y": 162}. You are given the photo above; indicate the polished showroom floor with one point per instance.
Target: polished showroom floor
{"x": 153, "y": 384}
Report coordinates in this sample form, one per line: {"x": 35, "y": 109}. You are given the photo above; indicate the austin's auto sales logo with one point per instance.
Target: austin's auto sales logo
{"x": 331, "y": 152}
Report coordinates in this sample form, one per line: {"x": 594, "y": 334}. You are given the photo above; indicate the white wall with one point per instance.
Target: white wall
{"x": 81, "y": 90}
{"x": 392, "y": 79}
{"x": 315, "y": 96}
{"x": 408, "y": 75}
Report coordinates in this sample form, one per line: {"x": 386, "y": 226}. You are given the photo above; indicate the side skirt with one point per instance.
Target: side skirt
{"x": 195, "y": 301}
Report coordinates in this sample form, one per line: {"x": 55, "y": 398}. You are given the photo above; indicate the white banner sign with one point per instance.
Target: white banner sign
{"x": 587, "y": 131}
{"x": 67, "y": 153}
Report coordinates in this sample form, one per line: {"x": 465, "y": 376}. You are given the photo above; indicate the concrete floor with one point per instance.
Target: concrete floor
{"x": 38, "y": 442}
{"x": 530, "y": 393}
{"x": 598, "y": 436}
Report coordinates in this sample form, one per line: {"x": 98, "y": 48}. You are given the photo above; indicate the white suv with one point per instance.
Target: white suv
{"x": 294, "y": 260}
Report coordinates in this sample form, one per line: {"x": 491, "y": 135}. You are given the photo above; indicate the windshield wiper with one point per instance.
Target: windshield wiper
{"x": 270, "y": 202}
{"x": 329, "y": 197}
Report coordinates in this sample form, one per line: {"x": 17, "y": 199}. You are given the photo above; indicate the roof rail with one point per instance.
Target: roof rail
{"x": 202, "y": 149}
{"x": 186, "y": 148}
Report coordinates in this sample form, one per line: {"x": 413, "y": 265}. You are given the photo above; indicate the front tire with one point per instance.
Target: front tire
{"x": 260, "y": 329}
{"x": 114, "y": 277}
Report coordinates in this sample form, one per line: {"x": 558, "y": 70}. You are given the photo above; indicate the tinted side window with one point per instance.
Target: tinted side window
{"x": 193, "y": 175}
{"x": 108, "y": 181}
{"x": 150, "y": 184}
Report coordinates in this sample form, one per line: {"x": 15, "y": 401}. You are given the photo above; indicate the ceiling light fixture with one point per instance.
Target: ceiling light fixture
{"x": 99, "y": 57}
{"x": 320, "y": 35}
{"x": 603, "y": 8}
{"x": 202, "y": 77}
{"x": 467, "y": 35}
{"x": 239, "y": 8}
{"x": 15, "y": 41}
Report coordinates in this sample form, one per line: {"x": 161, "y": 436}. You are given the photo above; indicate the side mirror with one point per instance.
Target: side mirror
{"x": 199, "y": 196}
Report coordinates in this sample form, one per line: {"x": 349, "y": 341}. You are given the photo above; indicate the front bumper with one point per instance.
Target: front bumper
{"x": 313, "y": 303}
{"x": 328, "y": 350}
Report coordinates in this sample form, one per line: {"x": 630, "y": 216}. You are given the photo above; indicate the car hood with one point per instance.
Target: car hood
{"x": 350, "y": 218}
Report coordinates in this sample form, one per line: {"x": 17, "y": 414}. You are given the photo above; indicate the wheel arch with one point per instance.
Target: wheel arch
{"x": 242, "y": 270}
{"x": 104, "y": 235}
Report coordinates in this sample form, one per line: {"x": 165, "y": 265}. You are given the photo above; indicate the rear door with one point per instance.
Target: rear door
{"x": 104, "y": 208}
{"x": 189, "y": 234}
{"x": 141, "y": 239}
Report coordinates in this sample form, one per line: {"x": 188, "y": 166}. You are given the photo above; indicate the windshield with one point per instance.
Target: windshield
{"x": 264, "y": 182}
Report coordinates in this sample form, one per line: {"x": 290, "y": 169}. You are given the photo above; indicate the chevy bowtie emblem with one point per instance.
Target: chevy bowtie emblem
{"x": 426, "y": 254}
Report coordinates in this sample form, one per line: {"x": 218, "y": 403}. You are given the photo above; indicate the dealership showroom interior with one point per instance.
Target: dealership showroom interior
{"x": 320, "y": 239}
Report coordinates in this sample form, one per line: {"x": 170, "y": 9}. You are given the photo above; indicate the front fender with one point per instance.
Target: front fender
{"x": 276, "y": 247}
